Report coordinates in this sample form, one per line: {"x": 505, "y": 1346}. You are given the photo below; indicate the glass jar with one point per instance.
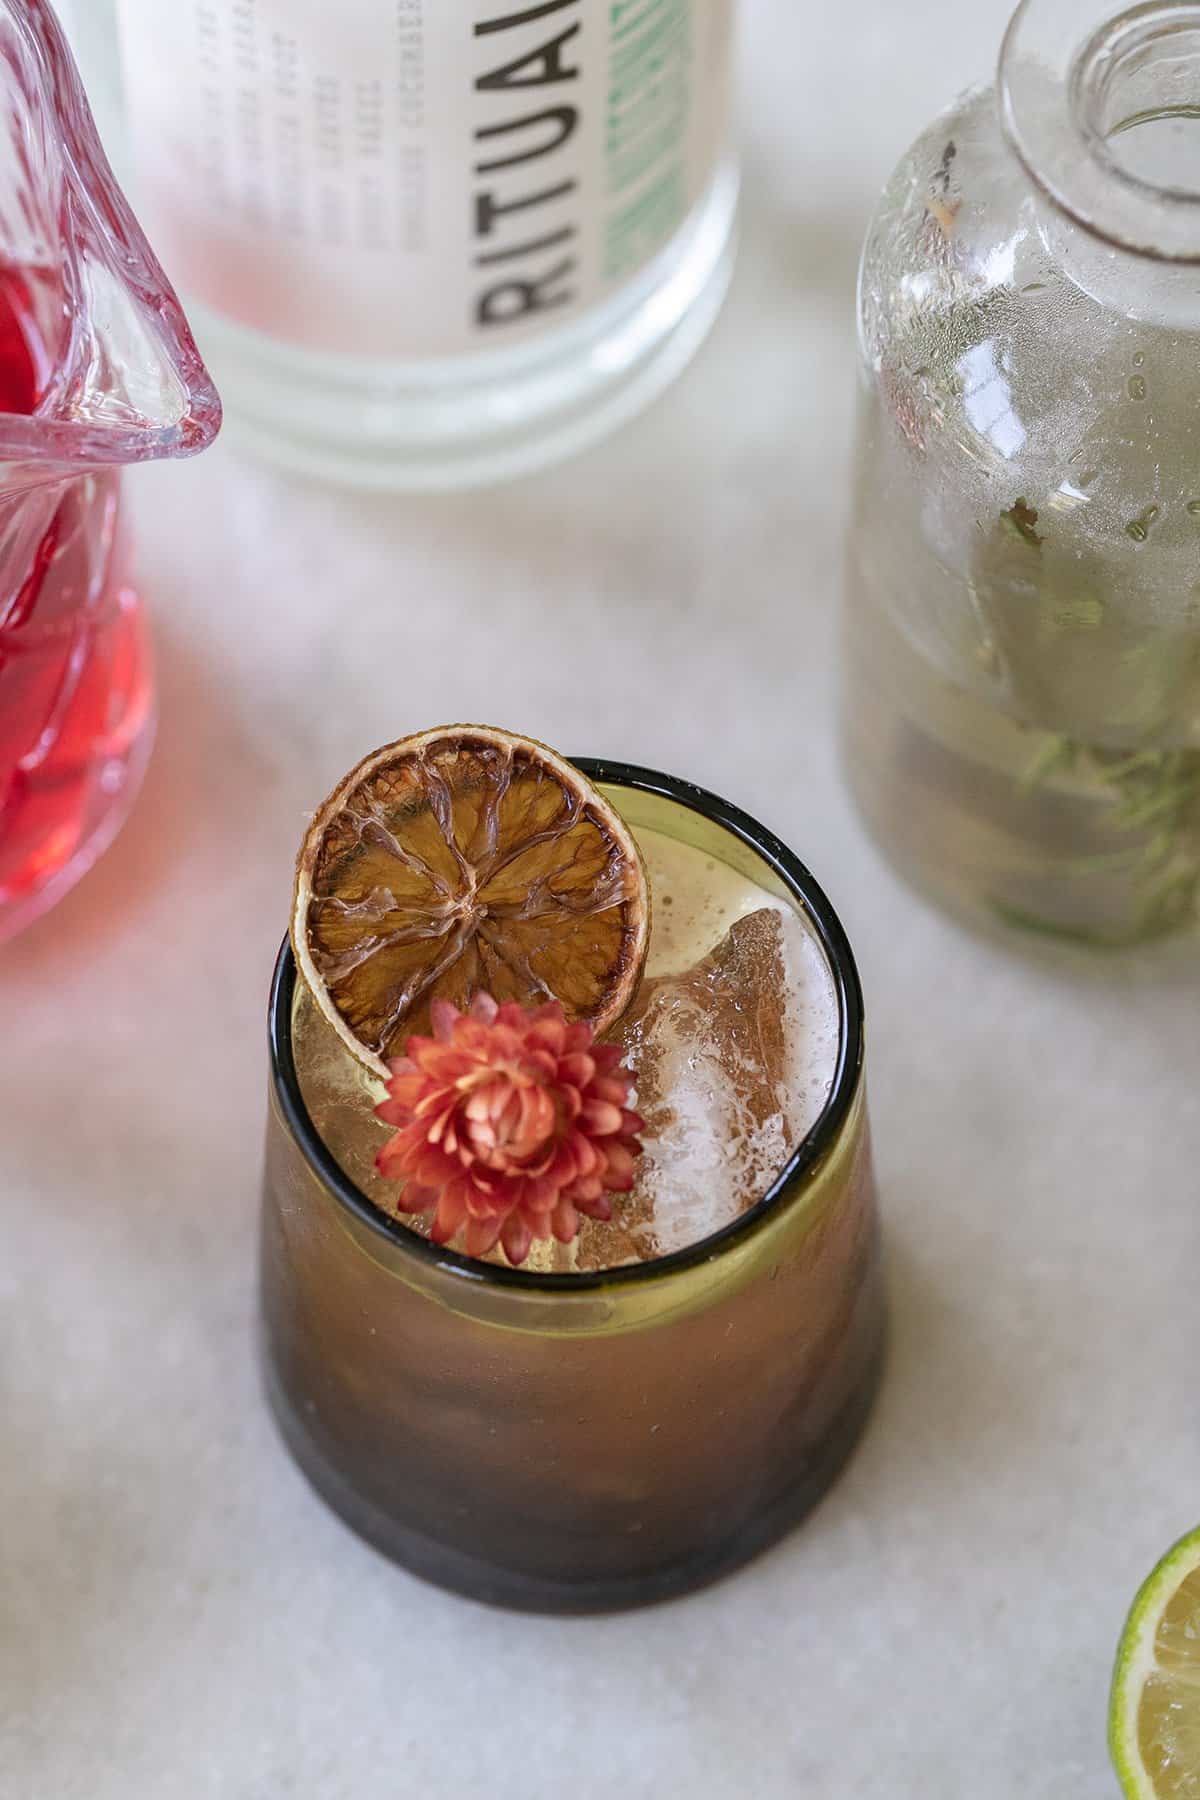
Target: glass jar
{"x": 1021, "y": 696}
{"x": 578, "y": 1442}
{"x": 426, "y": 245}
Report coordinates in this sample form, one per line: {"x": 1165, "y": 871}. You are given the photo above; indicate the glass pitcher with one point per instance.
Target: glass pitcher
{"x": 97, "y": 369}
{"x": 1022, "y": 657}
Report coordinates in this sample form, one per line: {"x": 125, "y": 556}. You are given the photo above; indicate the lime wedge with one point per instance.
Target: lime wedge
{"x": 1154, "y": 1710}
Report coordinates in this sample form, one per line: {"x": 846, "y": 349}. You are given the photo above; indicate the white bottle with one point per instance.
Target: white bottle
{"x": 432, "y": 242}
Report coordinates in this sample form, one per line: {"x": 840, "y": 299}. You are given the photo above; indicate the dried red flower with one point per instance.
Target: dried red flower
{"x": 510, "y": 1124}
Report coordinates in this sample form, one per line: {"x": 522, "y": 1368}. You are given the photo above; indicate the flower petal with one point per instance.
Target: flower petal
{"x": 481, "y": 1235}
{"x": 598, "y": 1208}
{"x": 564, "y": 1165}
{"x": 540, "y": 1194}
{"x": 600, "y": 1118}
{"x": 417, "y": 1199}
{"x": 578, "y": 1069}
{"x": 618, "y": 1176}
{"x": 564, "y": 1222}
{"x": 480, "y": 1203}
{"x": 445, "y": 1064}
{"x": 443, "y": 1016}
{"x": 391, "y": 1162}
{"x": 587, "y": 1156}
{"x": 516, "y": 1237}
{"x": 549, "y": 1030}
{"x": 399, "y": 1107}
{"x": 448, "y": 1218}
{"x": 608, "y": 1087}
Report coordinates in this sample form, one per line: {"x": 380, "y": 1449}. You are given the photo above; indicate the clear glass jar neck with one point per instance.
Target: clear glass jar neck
{"x": 1102, "y": 106}
{"x": 1144, "y": 289}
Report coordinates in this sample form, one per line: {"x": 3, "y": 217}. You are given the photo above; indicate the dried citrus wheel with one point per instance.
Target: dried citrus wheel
{"x": 463, "y": 860}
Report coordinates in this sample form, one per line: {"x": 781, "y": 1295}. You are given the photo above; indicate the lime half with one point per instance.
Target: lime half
{"x": 1154, "y": 1711}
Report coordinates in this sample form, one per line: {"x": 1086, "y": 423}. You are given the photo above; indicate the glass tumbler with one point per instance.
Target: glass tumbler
{"x": 580, "y": 1442}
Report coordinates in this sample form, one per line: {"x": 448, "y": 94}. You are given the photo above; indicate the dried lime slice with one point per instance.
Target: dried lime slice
{"x": 460, "y": 861}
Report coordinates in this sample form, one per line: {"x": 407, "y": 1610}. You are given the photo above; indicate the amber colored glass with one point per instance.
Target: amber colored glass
{"x": 575, "y": 1443}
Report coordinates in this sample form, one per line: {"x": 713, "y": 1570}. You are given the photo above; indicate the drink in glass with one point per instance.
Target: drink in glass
{"x": 632, "y": 1412}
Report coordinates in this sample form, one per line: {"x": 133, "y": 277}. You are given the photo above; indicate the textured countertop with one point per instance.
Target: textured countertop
{"x": 180, "y": 1619}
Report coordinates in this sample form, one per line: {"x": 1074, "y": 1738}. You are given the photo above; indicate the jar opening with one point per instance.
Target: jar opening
{"x": 1137, "y": 93}
{"x": 1103, "y": 108}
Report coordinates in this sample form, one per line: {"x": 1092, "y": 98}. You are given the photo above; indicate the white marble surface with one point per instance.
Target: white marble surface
{"x": 179, "y": 1618}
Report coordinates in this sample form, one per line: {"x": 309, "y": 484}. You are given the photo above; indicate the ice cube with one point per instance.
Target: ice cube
{"x": 718, "y": 1053}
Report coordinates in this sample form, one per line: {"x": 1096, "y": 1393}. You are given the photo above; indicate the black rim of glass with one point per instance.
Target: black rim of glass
{"x": 806, "y": 1156}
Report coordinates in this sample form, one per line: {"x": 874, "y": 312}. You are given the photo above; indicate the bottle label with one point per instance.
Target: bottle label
{"x": 419, "y": 178}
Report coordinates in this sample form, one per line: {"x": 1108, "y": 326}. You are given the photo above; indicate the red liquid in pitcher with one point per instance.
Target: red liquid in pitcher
{"x": 76, "y": 692}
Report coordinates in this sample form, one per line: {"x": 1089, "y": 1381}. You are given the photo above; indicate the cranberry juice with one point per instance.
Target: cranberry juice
{"x": 76, "y": 694}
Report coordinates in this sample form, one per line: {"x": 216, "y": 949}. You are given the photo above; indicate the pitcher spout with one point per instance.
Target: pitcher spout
{"x": 97, "y": 363}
